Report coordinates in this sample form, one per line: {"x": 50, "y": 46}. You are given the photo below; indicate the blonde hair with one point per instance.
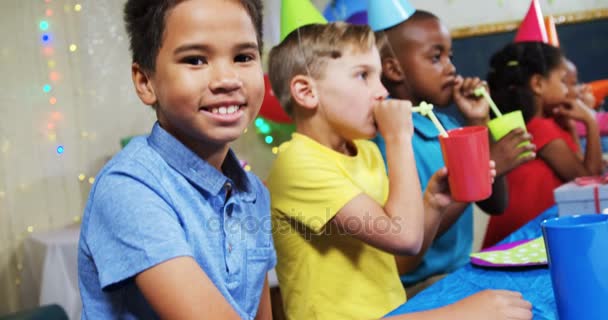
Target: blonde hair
{"x": 384, "y": 47}
{"x": 307, "y": 50}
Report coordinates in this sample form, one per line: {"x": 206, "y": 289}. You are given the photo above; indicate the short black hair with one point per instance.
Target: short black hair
{"x": 416, "y": 16}
{"x": 422, "y": 14}
{"x": 511, "y": 70}
{"x": 390, "y": 41}
{"x": 145, "y": 24}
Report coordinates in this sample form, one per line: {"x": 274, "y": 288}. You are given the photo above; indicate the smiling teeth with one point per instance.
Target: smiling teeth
{"x": 225, "y": 110}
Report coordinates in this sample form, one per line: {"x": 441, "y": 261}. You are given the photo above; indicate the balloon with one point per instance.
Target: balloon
{"x": 271, "y": 108}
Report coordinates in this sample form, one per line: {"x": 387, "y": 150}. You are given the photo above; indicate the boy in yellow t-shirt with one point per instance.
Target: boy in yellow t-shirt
{"x": 337, "y": 217}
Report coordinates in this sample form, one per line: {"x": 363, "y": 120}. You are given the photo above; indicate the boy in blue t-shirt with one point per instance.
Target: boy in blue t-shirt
{"x": 174, "y": 228}
{"x": 417, "y": 66}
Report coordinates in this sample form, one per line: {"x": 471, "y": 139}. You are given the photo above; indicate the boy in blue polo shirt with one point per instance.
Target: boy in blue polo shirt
{"x": 174, "y": 228}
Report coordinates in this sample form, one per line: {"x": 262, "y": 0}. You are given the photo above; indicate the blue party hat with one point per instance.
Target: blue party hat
{"x": 383, "y": 14}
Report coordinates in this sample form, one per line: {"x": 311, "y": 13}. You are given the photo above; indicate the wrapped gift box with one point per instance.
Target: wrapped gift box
{"x": 582, "y": 196}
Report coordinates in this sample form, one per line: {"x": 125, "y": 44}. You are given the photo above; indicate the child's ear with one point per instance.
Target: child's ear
{"x": 143, "y": 85}
{"x": 537, "y": 83}
{"x": 391, "y": 69}
{"x": 303, "y": 91}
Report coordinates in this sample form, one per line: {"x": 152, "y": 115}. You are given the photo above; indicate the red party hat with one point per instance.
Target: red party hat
{"x": 532, "y": 28}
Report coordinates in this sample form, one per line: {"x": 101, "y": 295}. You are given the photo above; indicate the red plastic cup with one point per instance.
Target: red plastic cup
{"x": 466, "y": 153}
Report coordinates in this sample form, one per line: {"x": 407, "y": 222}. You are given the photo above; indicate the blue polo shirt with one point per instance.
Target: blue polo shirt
{"x": 450, "y": 251}
{"x": 157, "y": 200}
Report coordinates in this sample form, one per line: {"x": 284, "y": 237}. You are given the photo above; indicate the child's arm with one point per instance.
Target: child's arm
{"x": 505, "y": 152}
{"x": 451, "y": 213}
{"x": 498, "y": 200}
{"x": 487, "y": 304}
{"x": 179, "y": 289}
{"x": 577, "y": 140}
{"x": 566, "y": 164}
{"x": 434, "y": 198}
{"x": 398, "y": 227}
{"x": 265, "y": 309}
{"x": 569, "y": 125}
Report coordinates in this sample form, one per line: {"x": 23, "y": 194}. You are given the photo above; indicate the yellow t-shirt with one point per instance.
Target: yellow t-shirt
{"x": 324, "y": 274}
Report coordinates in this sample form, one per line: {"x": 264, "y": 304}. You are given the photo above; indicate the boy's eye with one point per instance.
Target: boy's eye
{"x": 363, "y": 75}
{"x": 195, "y": 61}
{"x": 244, "y": 58}
{"x": 436, "y": 58}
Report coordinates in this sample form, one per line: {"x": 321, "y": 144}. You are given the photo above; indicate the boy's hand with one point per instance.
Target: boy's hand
{"x": 394, "y": 118}
{"x": 437, "y": 193}
{"x": 505, "y": 152}
{"x": 493, "y": 304}
{"x": 476, "y": 110}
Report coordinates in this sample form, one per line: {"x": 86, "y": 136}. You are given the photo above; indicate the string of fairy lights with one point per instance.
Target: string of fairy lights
{"x": 49, "y": 51}
{"x": 49, "y": 87}
{"x": 54, "y": 76}
{"x": 273, "y": 133}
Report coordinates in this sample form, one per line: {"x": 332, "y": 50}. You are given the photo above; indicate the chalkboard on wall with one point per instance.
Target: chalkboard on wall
{"x": 585, "y": 43}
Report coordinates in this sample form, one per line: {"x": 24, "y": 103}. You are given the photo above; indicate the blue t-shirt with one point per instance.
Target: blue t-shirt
{"x": 157, "y": 200}
{"x": 451, "y": 250}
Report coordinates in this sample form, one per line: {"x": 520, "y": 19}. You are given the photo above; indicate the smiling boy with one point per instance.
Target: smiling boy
{"x": 163, "y": 233}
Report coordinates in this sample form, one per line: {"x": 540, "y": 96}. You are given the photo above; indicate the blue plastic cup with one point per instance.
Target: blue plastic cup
{"x": 577, "y": 247}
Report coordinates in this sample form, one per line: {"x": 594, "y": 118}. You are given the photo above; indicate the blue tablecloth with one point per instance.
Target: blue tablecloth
{"x": 533, "y": 282}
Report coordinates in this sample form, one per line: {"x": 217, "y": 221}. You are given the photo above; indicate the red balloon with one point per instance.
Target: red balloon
{"x": 271, "y": 108}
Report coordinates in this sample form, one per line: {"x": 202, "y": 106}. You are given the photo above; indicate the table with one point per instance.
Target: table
{"x": 50, "y": 270}
{"x": 533, "y": 282}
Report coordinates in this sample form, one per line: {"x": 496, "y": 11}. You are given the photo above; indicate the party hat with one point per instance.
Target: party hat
{"x": 532, "y": 28}
{"x": 298, "y": 13}
{"x": 383, "y": 14}
{"x": 551, "y": 31}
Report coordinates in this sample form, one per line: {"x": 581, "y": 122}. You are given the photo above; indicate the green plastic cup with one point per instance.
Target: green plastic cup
{"x": 500, "y": 126}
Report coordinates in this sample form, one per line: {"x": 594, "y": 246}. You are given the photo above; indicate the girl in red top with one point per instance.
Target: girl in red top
{"x": 530, "y": 76}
